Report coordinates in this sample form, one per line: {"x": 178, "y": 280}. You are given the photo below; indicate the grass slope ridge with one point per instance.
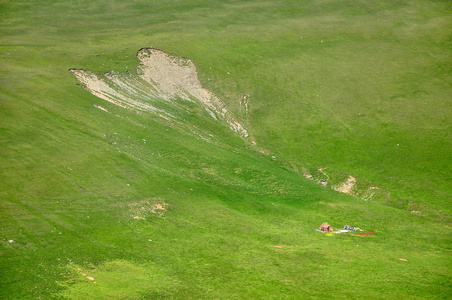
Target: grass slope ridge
{"x": 99, "y": 201}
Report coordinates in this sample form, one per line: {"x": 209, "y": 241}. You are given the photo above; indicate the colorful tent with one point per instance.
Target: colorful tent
{"x": 325, "y": 227}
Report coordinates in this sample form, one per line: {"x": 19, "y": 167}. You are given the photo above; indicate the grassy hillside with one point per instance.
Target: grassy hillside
{"x": 125, "y": 205}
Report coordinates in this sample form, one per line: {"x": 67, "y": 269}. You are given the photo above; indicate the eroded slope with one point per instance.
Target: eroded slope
{"x": 163, "y": 85}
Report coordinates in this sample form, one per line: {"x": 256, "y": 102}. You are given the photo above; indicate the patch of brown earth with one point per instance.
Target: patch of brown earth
{"x": 146, "y": 208}
{"x": 416, "y": 212}
{"x": 100, "y": 107}
{"x": 86, "y": 276}
{"x": 347, "y": 186}
{"x": 161, "y": 77}
{"x": 264, "y": 151}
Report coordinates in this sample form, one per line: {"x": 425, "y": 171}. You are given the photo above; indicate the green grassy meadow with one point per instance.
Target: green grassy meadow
{"x": 359, "y": 87}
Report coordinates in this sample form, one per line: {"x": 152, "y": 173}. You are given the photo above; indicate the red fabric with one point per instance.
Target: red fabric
{"x": 363, "y": 233}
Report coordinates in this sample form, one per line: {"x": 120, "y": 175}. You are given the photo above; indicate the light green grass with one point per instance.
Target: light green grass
{"x": 70, "y": 173}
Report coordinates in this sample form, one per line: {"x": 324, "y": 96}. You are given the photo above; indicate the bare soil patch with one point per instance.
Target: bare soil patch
{"x": 148, "y": 208}
{"x": 160, "y": 77}
{"x": 347, "y": 186}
